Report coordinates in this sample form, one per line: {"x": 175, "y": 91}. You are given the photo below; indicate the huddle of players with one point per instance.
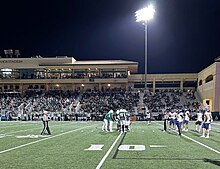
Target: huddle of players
{"x": 179, "y": 117}
{"x": 122, "y": 119}
{"x": 204, "y": 119}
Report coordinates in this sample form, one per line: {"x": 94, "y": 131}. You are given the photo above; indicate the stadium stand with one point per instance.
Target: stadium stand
{"x": 94, "y": 104}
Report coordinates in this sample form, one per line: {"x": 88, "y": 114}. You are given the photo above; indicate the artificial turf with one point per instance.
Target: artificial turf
{"x": 65, "y": 148}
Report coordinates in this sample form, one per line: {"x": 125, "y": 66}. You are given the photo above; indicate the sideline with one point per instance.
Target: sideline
{"x": 51, "y": 126}
{"x": 108, "y": 152}
{"x": 217, "y": 124}
{"x": 212, "y": 149}
{"x": 37, "y": 141}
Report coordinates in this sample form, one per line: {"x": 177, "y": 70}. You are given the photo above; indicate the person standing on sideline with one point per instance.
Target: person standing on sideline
{"x": 45, "y": 120}
{"x": 148, "y": 117}
{"x": 165, "y": 118}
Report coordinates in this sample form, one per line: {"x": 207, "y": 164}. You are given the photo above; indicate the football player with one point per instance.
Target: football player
{"x": 148, "y": 117}
{"x": 127, "y": 121}
{"x": 108, "y": 121}
{"x": 206, "y": 124}
{"x": 186, "y": 120}
{"x": 172, "y": 117}
{"x": 198, "y": 123}
{"x": 122, "y": 116}
{"x": 179, "y": 121}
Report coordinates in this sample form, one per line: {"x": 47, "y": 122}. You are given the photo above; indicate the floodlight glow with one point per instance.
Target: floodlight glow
{"x": 145, "y": 14}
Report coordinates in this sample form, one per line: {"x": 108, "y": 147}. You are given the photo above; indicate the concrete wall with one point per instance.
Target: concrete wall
{"x": 207, "y": 90}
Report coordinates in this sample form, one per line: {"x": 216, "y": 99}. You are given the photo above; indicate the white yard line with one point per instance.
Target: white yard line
{"x": 51, "y": 126}
{"x": 37, "y": 141}
{"x": 108, "y": 152}
{"x": 218, "y": 124}
{"x": 212, "y": 149}
{"x": 17, "y": 125}
{"x": 201, "y": 144}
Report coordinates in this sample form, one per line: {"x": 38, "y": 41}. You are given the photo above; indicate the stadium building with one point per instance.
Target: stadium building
{"x": 65, "y": 73}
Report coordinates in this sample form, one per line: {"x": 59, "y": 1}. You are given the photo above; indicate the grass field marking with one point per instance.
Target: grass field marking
{"x": 117, "y": 150}
{"x": 95, "y": 147}
{"x": 47, "y": 138}
{"x": 16, "y": 125}
{"x": 51, "y": 126}
{"x": 131, "y": 147}
{"x": 157, "y": 146}
{"x": 108, "y": 152}
{"x": 218, "y": 124}
{"x": 201, "y": 144}
{"x": 204, "y": 145}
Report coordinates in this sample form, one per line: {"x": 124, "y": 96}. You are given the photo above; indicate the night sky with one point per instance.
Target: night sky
{"x": 183, "y": 37}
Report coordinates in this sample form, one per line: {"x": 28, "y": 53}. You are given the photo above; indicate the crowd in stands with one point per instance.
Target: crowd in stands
{"x": 90, "y": 104}
{"x": 100, "y": 102}
{"x": 30, "y": 105}
{"x": 170, "y": 99}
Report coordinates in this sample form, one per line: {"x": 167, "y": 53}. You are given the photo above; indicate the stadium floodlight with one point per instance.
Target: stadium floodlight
{"x": 144, "y": 15}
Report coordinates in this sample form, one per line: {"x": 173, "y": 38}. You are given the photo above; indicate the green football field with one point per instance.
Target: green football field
{"x": 83, "y": 145}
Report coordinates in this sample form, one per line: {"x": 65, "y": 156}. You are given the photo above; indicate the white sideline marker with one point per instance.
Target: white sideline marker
{"x": 33, "y": 136}
{"x": 131, "y": 148}
{"x": 95, "y": 147}
{"x": 108, "y": 152}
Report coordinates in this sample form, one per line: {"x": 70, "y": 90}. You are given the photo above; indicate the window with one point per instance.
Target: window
{"x": 209, "y": 78}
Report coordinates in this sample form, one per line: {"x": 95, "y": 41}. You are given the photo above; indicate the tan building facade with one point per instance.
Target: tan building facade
{"x": 209, "y": 86}
{"x": 65, "y": 73}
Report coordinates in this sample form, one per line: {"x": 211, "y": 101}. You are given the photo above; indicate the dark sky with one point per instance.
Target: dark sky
{"x": 184, "y": 35}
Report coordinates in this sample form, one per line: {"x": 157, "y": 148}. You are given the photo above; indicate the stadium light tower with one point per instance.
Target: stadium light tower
{"x": 144, "y": 15}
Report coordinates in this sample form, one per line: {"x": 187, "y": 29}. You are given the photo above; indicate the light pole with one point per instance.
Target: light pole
{"x": 144, "y": 15}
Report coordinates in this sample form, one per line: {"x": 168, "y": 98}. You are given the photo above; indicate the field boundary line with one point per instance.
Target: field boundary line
{"x": 217, "y": 124}
{"x": 37, "y": 141}
{"x": 108, "y": 152}
{"x": 204, "y": 145}
{"x": 24, "y": 130}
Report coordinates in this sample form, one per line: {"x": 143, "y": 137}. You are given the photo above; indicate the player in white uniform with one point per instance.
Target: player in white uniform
{"x": 198, "y": 123}
{"x": 172, "y": 117}
{"x": 179, "y": 121}
{"x": 117, "y": 119}
{"x": 186, "y": 120}
{"x": 127, "y": 121}
{"x": 122, "y": 116}
{"x": 206, "y": 124}
{"x": 148, "y": 117}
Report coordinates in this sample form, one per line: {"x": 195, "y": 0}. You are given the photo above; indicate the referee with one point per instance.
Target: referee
{"x": 45, "y": 120}
{"x": 165, "y": 118}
